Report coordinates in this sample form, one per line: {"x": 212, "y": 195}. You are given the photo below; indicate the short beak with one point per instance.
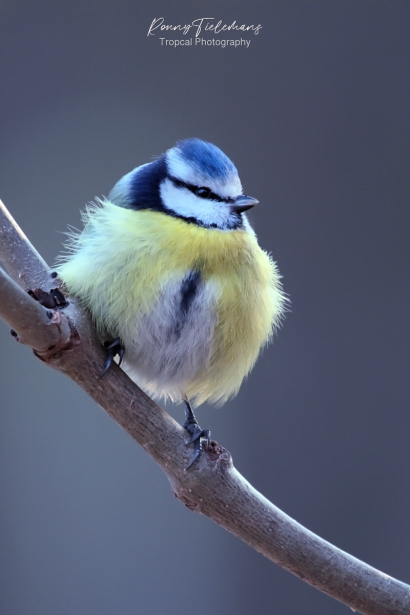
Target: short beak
{"x": 242, "y": 203}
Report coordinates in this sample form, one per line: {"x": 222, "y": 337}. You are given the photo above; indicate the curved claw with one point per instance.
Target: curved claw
{"x": 113, "y": 348}
{"x": 196, "y": 435}
{"x": 121, "y": 352}
{"x": 109, "y": 361}
{"x": 195, "y": 456}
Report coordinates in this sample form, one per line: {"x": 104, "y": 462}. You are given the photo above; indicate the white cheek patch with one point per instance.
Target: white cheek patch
{"x": 231, "y": 187}
{"x": 187, "y": 205}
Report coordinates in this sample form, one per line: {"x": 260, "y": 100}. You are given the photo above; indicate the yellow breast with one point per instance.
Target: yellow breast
{"x": 126, "y": 257}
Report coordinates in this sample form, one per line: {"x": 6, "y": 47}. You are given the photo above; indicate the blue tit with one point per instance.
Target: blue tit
{"x": 169, "y": 266}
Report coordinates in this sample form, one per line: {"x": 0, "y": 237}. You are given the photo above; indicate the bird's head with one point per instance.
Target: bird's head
{"x": 194, "y": 181}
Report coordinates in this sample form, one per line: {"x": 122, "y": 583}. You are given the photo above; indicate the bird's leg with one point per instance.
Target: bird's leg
{"x": 198, "y": 435}
{"x": 112, "y": 348}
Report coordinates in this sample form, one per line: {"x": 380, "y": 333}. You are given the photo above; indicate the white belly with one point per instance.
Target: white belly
{"x": 169, "y": 346}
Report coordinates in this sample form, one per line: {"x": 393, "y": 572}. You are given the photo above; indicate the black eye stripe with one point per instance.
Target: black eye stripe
{"x": 211, "y": 196}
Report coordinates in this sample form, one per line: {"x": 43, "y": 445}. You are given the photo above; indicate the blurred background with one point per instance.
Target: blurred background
{"x": 315, "y": 115}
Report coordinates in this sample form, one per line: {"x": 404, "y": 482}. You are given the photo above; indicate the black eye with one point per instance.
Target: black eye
{"x": 203, "y": 192}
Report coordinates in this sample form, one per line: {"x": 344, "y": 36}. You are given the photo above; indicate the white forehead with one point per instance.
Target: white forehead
{"x": 182, "y": 169}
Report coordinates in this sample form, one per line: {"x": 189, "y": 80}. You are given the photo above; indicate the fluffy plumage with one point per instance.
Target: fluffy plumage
{"x": 179, "y": 277}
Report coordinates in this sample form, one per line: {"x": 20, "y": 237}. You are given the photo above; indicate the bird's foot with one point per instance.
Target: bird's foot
{"x": 112, "y": 348}
{"x": 198, "y": 436}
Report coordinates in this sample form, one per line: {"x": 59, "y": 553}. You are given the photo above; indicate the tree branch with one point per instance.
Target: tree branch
{"x": 41, "y": 329}
{"x": 212, "y": 486}
{"x": 18, "y": 255}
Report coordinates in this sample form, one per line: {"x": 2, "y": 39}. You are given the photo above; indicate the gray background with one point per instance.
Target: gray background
{"x": 315, "y": 114}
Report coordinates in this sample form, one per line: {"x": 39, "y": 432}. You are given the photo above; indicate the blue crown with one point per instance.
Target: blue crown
{"x": 208, "y": 159}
